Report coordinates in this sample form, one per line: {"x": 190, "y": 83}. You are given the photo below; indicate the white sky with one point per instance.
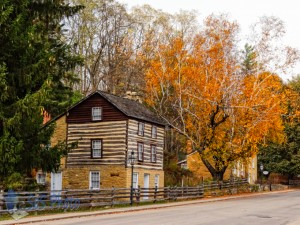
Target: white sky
{"x": 245, "y": 12}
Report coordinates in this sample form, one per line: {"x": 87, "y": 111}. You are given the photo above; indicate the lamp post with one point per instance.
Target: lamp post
{"x": 261, "y": 167}
{"x": 131, "y": 160}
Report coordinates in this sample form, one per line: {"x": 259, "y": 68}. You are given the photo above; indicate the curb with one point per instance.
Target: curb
{"x": 134, "y": 208}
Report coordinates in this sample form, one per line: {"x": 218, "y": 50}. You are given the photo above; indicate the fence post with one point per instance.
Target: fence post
{"x": 138, "y": 194}
{"x": 1, "y": 200}
{"x": 91, "y": 199}
{"x": 168, "y": 193}
{"x": 175, "y": 193}
{"x": 36, "y": 203}
{"x": 66, "y": 202}
{"x": 112, "y": 196}
{"x": 155, "y": 193}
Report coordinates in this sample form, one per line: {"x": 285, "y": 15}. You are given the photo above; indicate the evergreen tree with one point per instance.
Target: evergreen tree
{"x": 285, "y": 158}
{"x": 35, "y": 76}
{"x": 249, "y": 63}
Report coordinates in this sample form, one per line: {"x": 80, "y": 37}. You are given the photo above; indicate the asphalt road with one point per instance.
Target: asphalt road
{"x": 271, "y": 209}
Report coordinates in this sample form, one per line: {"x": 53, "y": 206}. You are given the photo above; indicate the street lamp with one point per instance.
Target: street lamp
{"x": 131, "y": 160}
{"x": 261, "y": 167}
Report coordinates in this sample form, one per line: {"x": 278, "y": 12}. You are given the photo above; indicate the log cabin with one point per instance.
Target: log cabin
{"x": 108, "y": 129}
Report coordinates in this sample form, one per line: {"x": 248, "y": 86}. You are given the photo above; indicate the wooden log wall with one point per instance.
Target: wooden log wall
{"x": 134, "y": 138}
{"x": 83, "y": 112}
{"x": 113, "y": 135}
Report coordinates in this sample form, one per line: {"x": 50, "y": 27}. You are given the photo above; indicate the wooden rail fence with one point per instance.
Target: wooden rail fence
{"x": 73, "y": 199}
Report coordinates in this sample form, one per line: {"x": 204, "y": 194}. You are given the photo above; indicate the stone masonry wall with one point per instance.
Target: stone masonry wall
{"x": 60, "y": 131}
{"x": 59, "y": 134}
{"x": 141, "y": 173}
{"x": 110, "y": 175}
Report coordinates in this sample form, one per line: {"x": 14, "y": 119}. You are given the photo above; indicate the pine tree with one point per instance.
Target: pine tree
{"x": 249, "y": 63}
{"x": 35, "y": 76}
{"x": 284, "y": 158}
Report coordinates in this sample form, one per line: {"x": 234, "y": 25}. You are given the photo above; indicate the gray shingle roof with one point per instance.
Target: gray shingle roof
{"x": 129, "y": 107}
{"x": 132, "y": 108}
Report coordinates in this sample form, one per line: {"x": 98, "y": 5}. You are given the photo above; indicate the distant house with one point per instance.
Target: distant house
{"x": 246, "y": 169}
{"x": 108, "y": 129}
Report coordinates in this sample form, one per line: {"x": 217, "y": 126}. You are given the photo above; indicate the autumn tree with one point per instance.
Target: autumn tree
{"x": 199, "y": 90}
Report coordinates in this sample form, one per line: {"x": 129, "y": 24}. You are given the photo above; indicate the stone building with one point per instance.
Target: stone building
{"x": 108, "y": 129}
{"x": 239, "y": 169}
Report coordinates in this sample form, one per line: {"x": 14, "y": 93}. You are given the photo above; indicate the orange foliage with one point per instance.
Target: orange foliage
{"x": 198, "y": 88}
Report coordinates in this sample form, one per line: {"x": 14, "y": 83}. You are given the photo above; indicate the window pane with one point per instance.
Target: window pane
{"x": 96, "y": 153}
{"x": 140, "y": 151}
{"x": 41, "y": 178}
{"x": 96, "y": 148}
{"x": 154, "y": 132}
{"x": 153, "y": 153}
{"x": 97, "y": 144}
{"x": 96, "y": 113}
{"x": 141, "y": 129}
{"x": 95, "y": 180}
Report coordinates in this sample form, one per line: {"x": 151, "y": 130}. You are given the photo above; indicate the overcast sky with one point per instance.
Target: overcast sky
{"x": 244, "y": 11}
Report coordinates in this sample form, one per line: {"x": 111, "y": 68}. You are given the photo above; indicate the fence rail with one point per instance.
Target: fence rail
{"x": 294, "y": 182}
{"x": 73, "y": 199}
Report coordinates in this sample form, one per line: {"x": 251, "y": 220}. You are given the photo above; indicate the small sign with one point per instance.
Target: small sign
{"x": 265, "y": 172}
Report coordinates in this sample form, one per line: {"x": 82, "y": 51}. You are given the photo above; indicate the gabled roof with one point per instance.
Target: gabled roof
{"x": 129, "y": 107}
{"x": 132, "y": 108}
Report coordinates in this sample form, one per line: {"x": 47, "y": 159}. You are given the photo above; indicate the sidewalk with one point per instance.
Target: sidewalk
{"x": 33, "y": 219}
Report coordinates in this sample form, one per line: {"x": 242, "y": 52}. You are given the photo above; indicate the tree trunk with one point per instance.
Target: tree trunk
{"x": 216, "y": 174}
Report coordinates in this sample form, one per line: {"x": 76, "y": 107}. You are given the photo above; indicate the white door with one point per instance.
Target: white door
{"x": 56, "y": 184}
{"x": 146, "y": 185}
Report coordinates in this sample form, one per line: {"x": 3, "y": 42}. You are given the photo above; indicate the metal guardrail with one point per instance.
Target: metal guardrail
{"x": 74, "y": 199}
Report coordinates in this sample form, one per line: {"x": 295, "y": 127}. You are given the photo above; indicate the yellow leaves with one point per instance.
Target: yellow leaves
{"x": 198, "y": 87}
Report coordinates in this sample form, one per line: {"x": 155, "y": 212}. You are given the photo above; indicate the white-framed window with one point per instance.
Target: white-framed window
{"x": 234, "y": 171}
{"x": 135, "y": 179}
{"x": 140, "y": 151}
{"x": 249, "y": 177}
{"x": 94, "y": 180}
{"x": 242, "y": 170}
{"x": 41, "y": 177}
{"x": 153, "y": 153}
{"x": 97, "y": 148}
{"x": 156, "y": 181}
{"x": 141, "y": 129}
{"x": 96, "y": 113}
{"x": 184, "y": 165}
{"x": 154, "y": 131}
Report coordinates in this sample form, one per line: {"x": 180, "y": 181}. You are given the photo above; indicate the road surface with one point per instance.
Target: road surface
{"x": 272, "y": 209}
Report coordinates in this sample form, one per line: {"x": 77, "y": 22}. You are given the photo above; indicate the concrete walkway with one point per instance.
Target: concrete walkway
{"x": 33, "y": 219}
